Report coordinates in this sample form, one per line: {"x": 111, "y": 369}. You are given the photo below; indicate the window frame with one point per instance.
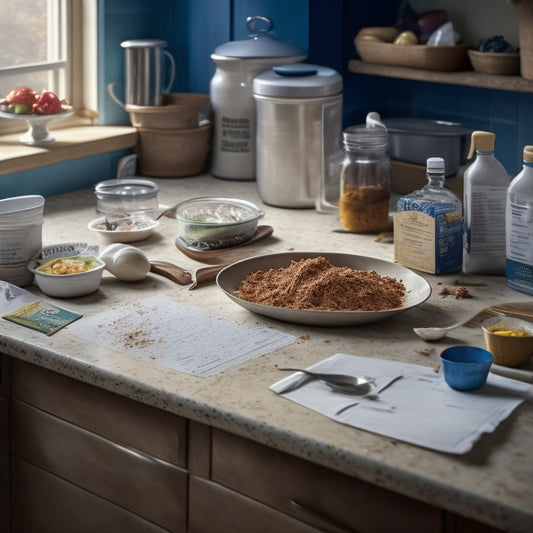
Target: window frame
{"x": 78, "y": 49}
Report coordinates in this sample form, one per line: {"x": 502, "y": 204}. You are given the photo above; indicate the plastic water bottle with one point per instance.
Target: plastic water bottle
{"x": 485, "y": 192}
{"x": 519, "y": 225}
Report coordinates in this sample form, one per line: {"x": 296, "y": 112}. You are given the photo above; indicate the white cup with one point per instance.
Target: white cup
{"x": 125, "y": 262}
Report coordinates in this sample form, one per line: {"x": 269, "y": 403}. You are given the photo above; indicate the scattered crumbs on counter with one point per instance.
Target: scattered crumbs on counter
{"x": 179, "y": 336}
{"x": 304, "y": 338}
{"x": 459, "y": 292}
{"x": 386, "y": 237}
{"x": 426, "y": 351}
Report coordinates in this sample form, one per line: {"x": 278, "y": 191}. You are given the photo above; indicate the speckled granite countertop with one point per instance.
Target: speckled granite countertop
{"x": 492, "y": 483}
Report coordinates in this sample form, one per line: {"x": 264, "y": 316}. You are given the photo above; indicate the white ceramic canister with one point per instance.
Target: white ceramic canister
{"x": 21, "y": 222}
{"x": 299, "y": 128}
{"x": 231, "y": 91}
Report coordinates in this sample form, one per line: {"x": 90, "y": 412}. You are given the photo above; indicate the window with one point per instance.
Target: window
{"x": 48, "y": 44}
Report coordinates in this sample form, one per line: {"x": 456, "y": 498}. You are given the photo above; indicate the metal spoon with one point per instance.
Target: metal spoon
{"x": 340, "y": 380}
{"x": 434, "y": 333}
{"x": 169, "y": 211}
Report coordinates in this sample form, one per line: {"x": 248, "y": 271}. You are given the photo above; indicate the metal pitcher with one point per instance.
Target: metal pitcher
{"x": 145, "y": 72}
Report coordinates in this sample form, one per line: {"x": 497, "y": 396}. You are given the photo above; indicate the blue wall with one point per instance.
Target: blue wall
{"x": 193, "y": 29}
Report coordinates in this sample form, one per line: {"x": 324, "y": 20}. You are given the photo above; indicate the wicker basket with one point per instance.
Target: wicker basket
{"x": 179, "y": 111}
{"x": 439, "y": 58}
{"x": 495, "y": 62}
{"x": 173, "y": 153}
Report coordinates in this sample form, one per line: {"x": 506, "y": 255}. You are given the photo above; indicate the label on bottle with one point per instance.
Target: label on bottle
{"x": 519, "y": 268}
{"x": 485, "y": 225}
{"x": 430, "y": 238}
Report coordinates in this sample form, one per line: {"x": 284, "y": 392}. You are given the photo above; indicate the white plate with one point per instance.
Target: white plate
{"x": 98, "y": 225}
{"x": 418, "y": 289}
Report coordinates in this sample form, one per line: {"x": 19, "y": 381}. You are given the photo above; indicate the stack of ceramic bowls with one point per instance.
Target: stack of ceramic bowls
{"x": 21, "y": 222}
{"x": 174, "y": 137}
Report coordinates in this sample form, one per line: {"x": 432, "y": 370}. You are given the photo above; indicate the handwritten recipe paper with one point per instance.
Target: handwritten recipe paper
{"x": 179, "y": 336}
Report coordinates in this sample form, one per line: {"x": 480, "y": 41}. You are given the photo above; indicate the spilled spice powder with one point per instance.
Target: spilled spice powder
{"x": 316, "y": 284}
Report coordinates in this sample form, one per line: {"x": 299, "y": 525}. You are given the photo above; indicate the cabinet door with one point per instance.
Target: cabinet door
{"x": 213, "y": 508}
{"x": 320, "y": 496}
{"x": 129, "y": 423}
{"x": 48, "y": 504}
{"x": 151, "y": 488}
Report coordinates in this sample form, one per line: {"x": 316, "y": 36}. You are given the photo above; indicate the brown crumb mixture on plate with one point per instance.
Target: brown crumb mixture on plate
{"x": 316, "y": 284}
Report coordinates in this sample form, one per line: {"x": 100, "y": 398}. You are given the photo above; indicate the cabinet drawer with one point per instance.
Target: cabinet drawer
{"x": 305, "y": 490}
{"x": 211, "y": 504}
{"x": 48, "y": 504}
{"x": 114, "y": 417}
{"x": 154, "y": 489}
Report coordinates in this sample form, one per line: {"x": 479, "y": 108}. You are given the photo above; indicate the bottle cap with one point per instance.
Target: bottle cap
{"x": 435, "y": 164}
{"x": 528, "y": 154}
{"x": 481, "y": 141}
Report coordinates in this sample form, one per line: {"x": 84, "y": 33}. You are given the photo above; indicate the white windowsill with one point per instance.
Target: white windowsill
{"x": 72, "y": 142}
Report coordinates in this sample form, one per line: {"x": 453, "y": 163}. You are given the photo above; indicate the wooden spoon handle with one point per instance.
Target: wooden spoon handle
{"x": 206, "y": 275}
{"x": 171, "y": 271}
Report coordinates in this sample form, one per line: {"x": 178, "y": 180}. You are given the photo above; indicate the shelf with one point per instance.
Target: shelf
{"x": 467, "y": 77}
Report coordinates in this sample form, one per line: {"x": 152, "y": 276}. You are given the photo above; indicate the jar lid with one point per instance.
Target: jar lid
{"x": 261, "y": 43}
{"x": 365, "y": 137}
{"x": 130, "y": 188}
{"x": 143, "y": 43}
{"x": 299, "y": 80}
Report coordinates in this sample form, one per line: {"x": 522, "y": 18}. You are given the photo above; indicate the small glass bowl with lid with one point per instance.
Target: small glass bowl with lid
{"x": 209, "y": 222}
{"x": 126, "y": 196}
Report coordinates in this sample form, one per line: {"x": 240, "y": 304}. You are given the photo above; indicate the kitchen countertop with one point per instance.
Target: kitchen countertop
{"x": 492, "y": 483}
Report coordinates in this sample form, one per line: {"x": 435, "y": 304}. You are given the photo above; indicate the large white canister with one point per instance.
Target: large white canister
{"x": 299, "y": 129}
{"x": 238, "y": 62}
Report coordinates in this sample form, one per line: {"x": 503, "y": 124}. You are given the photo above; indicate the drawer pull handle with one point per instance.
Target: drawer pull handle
{"x": 332, "y": 525}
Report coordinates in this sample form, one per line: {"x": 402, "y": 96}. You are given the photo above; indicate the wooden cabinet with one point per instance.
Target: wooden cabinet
{"x": 120, "y": 464}
{"x": 83, "y": 459}
{"x": 302, "y": 491}
{"x": 246, "y": 487}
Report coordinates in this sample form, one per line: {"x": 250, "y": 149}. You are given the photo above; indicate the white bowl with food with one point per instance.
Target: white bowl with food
{"x": 129, "y": 228}
{"x": 69, "y": 276}
{"x": 210, "y": 222}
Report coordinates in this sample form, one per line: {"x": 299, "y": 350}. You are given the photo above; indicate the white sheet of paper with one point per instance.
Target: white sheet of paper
{"x": 420, "y": 408}
{"x": 13, "y": 298}
{"x": 178, "y": 336}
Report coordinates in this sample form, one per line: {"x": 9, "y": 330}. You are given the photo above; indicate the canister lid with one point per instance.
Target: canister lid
{"x": 143, "y": 43}
{"x": 366, "y": 137}
{"x": 131, "y": 188}
{"x": 299, "y": 80}
{"x": 261, "y": 44}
